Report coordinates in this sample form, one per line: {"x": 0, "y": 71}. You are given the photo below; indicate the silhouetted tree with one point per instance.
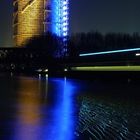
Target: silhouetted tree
{"x": 72, "y": 50}
{"x": 50, "y": 44}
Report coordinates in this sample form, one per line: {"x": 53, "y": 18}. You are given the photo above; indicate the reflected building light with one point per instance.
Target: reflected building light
{"x": 65, "y": 78}
{"x": 46, "y": 88}
{"x": 28, "y": 122}
{"x": 11, "y": 74}
{"x": 62, "y": 123}
{"x": 46, "y": 76}
{"x": 39, "y": 77}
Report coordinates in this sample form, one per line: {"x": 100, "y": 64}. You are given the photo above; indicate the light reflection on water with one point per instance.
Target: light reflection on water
{"x": 45, "y": 108}
{"x": 39, "y": 119}
{"x": 28, "y": 115}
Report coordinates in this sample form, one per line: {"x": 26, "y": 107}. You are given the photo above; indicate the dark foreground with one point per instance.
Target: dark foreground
{"x": 42, "y": 108}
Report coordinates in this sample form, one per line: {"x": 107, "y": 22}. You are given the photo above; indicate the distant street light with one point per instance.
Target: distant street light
{"x": 137, "y": 54}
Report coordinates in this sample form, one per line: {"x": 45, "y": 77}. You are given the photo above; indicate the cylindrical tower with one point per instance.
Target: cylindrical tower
{"x": 35, "y": 17}
{"x": 28, "y": 20}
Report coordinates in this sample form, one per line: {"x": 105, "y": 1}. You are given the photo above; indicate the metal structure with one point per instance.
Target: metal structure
{"x": 35, "y": 17}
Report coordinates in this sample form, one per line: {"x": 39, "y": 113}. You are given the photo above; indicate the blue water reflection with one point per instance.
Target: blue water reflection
{"x": 45, "y": 111}
{"x": 61, "y": 126}
{"x": 42, "y": 108}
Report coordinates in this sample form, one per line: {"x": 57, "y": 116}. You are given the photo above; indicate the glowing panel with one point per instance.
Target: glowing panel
{"x": 107, "y": 68}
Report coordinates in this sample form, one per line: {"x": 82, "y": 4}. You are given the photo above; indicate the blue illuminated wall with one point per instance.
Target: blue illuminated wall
{"x": 57, "y": 21}
{"x": 60, "y": 18}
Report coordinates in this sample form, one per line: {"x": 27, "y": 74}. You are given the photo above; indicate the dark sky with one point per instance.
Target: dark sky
{"x": 6, "y": 23}
{"x": 85, "y": 15}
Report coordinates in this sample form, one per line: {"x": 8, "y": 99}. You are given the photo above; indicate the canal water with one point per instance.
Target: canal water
{"x": 42, "y": 108}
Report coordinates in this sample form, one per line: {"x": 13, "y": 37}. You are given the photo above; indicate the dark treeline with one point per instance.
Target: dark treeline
{"x": 96, "y": 41}
{"x": 49, "y": 44}
{"x": 52, "y": 46}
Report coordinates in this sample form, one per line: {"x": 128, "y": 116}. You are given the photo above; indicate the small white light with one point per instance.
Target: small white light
{"x": 65, "y": 69}
{"x": 65, "y": 24}
{"x": 65, "y": 34}
{"x": 65, "y": 18}
{"x": 65, "y": 2}
{"x": 137, "y": 54}
{"x": 46, "y": 70}
{"x": 64, "y": 29}
{"x": 65, "y": 13}
{"x": 65, "y": 8}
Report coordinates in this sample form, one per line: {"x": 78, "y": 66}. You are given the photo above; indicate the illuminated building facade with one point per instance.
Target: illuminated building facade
{"x": 35, "y": 17}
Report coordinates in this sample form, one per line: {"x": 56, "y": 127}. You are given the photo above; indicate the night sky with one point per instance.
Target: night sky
{"x": 85, "y": 15}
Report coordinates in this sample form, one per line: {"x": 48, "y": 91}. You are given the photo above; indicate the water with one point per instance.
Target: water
{"x": 42, "y": 108}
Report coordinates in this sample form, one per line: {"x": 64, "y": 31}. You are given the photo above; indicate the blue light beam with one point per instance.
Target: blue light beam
{"x": 110, "y": 52}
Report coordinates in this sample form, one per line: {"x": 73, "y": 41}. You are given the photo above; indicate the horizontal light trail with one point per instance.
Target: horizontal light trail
{"x": 110, "y": 52}
{"x": 107, "y": 68}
